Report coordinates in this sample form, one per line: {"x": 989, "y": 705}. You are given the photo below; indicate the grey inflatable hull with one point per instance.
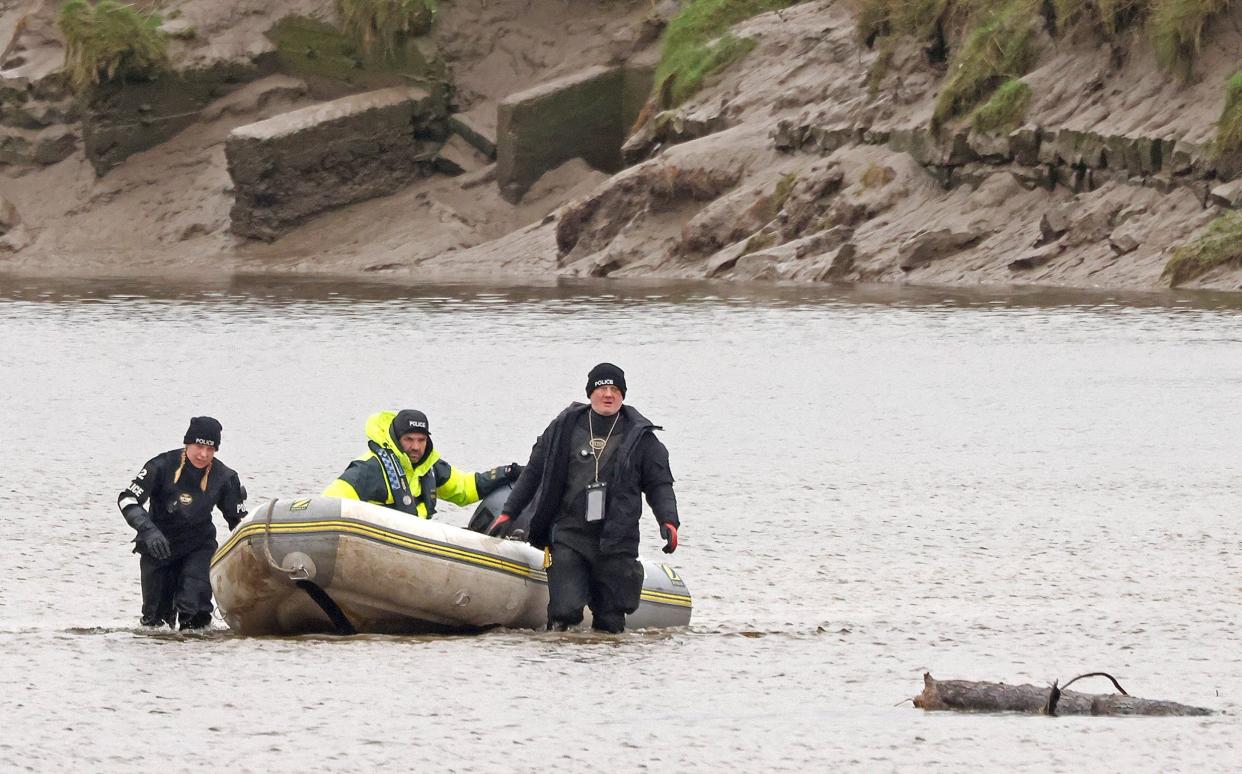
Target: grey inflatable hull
{"x": 329, "y": 565}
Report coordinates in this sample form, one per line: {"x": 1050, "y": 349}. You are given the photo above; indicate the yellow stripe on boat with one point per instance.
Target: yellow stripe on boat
{"x": 373, "y": 532}
{"x": 664, "y": 598}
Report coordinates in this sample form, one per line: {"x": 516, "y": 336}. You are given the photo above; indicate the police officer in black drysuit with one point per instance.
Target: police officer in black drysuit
{"x": 586, "y": 473}
{"x": 176, "y": 538}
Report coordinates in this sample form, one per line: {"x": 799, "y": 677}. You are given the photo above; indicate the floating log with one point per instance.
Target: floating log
{"x": 971, "y": 696}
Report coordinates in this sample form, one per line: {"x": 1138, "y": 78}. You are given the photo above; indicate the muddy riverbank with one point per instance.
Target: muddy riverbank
{"x": 818, "y": 156}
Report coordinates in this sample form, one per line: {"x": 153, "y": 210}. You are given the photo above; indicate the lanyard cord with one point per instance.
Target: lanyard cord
{"x": 597, "y": 453}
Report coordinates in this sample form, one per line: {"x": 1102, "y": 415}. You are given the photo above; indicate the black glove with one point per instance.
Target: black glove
{"x": 149, "y": 535}
{"x": 489, "y": 481}
{"x": 155, "y": 543}
{"x": 669, "y": 533}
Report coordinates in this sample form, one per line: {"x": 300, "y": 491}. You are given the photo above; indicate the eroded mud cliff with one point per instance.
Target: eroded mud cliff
{"x": 819, "y": 145}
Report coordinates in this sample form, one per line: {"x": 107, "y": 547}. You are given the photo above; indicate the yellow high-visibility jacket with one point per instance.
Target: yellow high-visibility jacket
{"x": 385, "y": 475}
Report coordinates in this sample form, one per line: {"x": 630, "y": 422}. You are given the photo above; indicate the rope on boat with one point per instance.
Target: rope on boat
{"x": 298, "y": 571}
{"x": 301, "y": 577}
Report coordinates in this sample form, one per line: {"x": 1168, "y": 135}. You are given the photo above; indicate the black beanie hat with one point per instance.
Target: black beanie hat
{"x": 409, "y": 421}
{"x": 605, "y": 373}
{"x": 204, "y": 430}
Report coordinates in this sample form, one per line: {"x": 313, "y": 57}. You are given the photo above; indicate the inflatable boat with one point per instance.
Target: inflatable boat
{"x": 321, "y": 564}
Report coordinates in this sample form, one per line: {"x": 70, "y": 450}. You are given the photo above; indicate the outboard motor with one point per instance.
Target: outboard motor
{"x": 490, "y": 507}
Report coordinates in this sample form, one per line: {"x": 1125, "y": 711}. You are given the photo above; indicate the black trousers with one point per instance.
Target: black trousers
{"x": 609, "y": 584}
{"x": 179, "y": 588}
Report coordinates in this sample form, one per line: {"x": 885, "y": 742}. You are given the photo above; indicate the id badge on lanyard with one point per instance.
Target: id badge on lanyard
{"x": 595, "y": 496}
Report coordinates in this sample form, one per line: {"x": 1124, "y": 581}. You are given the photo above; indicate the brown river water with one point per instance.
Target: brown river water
{"x": 874, "y": 483}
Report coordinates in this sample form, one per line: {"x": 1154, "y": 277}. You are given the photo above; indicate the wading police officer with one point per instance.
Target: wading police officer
{"x": 587, "y": 471}
{"x": 176, "y": 536}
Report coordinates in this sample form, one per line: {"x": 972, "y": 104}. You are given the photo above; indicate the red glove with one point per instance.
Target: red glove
{"x": 497, "y": 523}
{"x": 669, "y": 533}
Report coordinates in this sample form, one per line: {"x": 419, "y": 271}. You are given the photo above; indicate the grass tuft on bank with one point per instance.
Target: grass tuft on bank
{"x": 1005, "y": 109}
{"x": 1107, "y": 17}
{"x": 383, "y": 26}
{"x": 922, "y": 20}
{"x": 1068, "y": 13}
{"x": 110, "y": 41}
{"x": 1219, "y": 245}
{"x": 697, "y": 44}
{"x": 1176, "y": 27}
{"x": 1000, "y": 47}
{"x": 1177, "y": 31}
{"x": 782, "y": 192}
{"x": 880, "y": 66}
{"x": 992, "y": 41}
{"x": 1229, "y": 127}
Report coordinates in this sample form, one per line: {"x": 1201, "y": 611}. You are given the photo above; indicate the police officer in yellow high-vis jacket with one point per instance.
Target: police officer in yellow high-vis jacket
{"x": 402, "y": 469}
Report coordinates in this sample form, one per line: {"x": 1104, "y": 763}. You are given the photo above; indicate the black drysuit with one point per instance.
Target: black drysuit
{"x": 594, "y": 563}
{"x": 181, "y": 498}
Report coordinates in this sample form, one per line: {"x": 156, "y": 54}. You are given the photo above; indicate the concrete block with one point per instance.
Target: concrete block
{"x": 293, "y": 166}
{"x": 578, "y": 116}
{"x": 470, "y": 130}
{"x": 458, "y": 157}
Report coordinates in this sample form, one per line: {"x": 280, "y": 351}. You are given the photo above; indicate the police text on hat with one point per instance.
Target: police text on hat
{"x": 605, "y": 374}
{"x": 410, "y": 421}
{"x": 203, "y": 430}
